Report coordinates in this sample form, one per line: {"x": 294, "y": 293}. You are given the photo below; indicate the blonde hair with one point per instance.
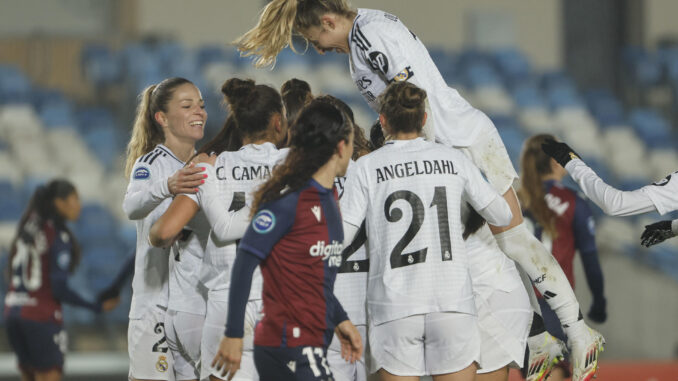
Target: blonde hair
{"x": 146, "y": 132}
{"x": 534, "y": 164}
{"x": 279, "y": 20}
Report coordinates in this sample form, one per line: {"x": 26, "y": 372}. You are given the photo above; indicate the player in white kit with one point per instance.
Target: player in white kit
{"x": 187, "y": 233}
{"x": 382, "y": 50}
{"x": 257, "y": 115}
{"x": 661, "y": 196}
{"x": 422, "y": 315}
{"x": 170, "y": 119}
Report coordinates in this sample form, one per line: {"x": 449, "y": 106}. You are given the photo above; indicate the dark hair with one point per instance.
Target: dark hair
{"x": 474, "y": 221}
{"x": 314, "y": 138}
{"x": 295, "y": 94}
{"x": 377, "y": 138}
{"x": 146, "y": 132}
{"x": 534, "y": 164}
{"x": 251, "y": 108}
{"x": 360, "y": 144}
{"x": 41, "y": 210}
{"x": 403, "y": 106}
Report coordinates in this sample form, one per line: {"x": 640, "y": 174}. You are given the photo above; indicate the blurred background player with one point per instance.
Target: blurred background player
{"x": 169, "y": 121}
{"x": 416, "y": 327}
{"x": 296, "y": 236}
{"x": 43, "y": 254}
{"x": 382, "y": 50}
{"x": 563, "y": 221}
{"x": 659, "y": 196}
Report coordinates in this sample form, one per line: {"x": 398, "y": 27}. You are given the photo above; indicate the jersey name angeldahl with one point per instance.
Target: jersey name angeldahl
{"x": 414, "y": 168}
{"x": 330, "y": 253}
{"x": 239, "y": 173}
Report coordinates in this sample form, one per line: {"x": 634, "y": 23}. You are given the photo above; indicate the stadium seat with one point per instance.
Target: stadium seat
{"x": 101, "y": 65}
{"x": 57, "y": 113}
{"x": 15, "y": 87}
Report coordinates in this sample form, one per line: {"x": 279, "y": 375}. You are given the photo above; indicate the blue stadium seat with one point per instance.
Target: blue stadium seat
{"x": 605, "y": 107}
{"x": 482, "y": 75}
{"x": 650, "y": 126}
{"x": 15, "y": 87}
{"x": 96, "y": 222}
{"x": 512, "y": 64}
{"x": 57, "y": 113}
{"x": 528, "y": 95}
{"x": 104, "y": 143}
{"x": 445, "y": 60}
{"x": 91, "y": 118}
{"x": 11, "y": 202}
{"x": 209, "y": 54}
{"x": 102, "y": 66}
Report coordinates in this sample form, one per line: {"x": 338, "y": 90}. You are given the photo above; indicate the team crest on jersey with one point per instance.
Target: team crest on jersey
{"x": 379, "y": 62}
{"x": 404, "y": 75}
{"x": 663, "y": 181}
{"x": 142, "y": 173}
{"x": 162, "y": 365}
{"x": 263, "y": 222}
{"x": 316, "y": 212}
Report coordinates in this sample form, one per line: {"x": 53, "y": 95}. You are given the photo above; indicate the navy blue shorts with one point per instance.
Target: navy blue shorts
{"x": 292, "y": 364}
{"x": 38, "y": 345}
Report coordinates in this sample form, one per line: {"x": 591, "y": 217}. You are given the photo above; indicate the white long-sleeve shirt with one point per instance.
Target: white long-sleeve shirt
{"x": 661, "y": 196}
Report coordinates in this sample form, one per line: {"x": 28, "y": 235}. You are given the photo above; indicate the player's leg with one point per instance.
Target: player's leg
{"x": 49, "y": 375}
{"x": 503, "y": 321}
{"x": 519, "y": 244}
{"x": 147, "y": 346}
{"x": 276, "y": 363}
{"x": 184, "y": 333}
{"x": 397, "y": 348}
{"x": 452, "y": 346}
{"x": 18, "y": 341}
{"x": 46, "y": 345}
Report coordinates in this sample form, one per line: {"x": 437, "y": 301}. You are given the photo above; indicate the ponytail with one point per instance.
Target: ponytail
{"x": 272, "y": 33}
{"x": 534, "y": 164}
{"x": 146, "y": 133}
{"x": 281, "y": 18}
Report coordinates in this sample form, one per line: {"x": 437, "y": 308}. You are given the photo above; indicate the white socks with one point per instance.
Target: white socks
{"x": 544, "y": 271}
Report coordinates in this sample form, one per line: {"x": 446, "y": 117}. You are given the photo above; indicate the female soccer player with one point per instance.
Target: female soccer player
{"x": 247, "y": 153}
{"x": 42, "y": 255}
{"x": 170, "y": 119}
{"x": 296, "y": 238}
{"x": 417, "y": 327}
{"x": 564, "y": 222}
{"x": 659, "y": 196}
{"x": 382, "y": 50}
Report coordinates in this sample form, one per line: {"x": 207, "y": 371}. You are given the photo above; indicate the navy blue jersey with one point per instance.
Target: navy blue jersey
{"x": 299, "y": 240}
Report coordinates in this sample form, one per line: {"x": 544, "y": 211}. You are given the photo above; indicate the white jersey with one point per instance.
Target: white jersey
{"x": 239, "y": 174}
{"x": 383, "y": 50}
{"x": 186, "y": 294}
{"x": 410, "y": 194}
{"x": 147, "y": 198}
{"x": 490, "y": 268}
{"x": 350, "y": 286}
{"x": 661, "y": 195}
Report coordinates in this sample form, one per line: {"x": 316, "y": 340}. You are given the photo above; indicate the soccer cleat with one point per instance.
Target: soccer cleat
{"x": 584, "y": 355}
{"x": 545, "y": 351}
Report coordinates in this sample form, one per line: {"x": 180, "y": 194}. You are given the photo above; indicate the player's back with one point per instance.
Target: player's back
{"x": 239, "y": 173}
{"x": 417, "y": 255}
{"x": 383, "y": 50}
{"x": 30, "y": 293}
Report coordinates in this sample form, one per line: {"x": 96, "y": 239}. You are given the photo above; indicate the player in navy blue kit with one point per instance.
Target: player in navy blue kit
{"x": 42, "y": 255}
{"x": 296, "y": 238}
{"x": 563, "y": 222}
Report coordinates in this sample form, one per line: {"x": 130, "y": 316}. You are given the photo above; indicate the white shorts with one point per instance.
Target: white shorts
{"x": 423, "y": 345}
{"x": 342, "y": 369}
{"x": 489, "y": 154}
{"x": 213, "y": 331}
{"x": 503, "y": 321}
{"x": 184, "y": 334}
{"x": 149, "y": 357}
